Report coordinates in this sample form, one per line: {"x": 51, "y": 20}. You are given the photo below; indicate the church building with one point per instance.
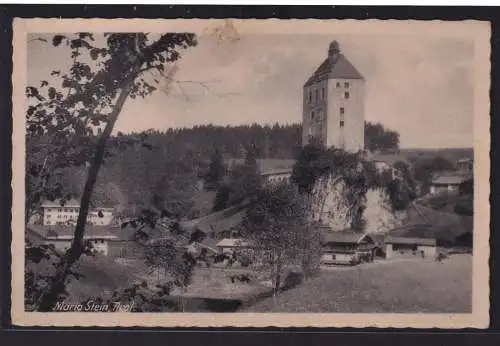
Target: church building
{"x": 333, "y": 112}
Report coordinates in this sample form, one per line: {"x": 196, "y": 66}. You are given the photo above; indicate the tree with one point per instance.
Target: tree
{"x": 244, "y": 183}
{"x": 310, "y": 165}
{"x": 86, "y": 107}
{"x": 377, "y": 137}
{"x": 273, "y": 226}
{"x": 424, "y": 170}
{"x": 216, "y": 171}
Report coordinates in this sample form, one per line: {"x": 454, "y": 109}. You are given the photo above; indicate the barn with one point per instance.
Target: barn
{"x": 347, "y": 247}
{"x": 406, "y": 247}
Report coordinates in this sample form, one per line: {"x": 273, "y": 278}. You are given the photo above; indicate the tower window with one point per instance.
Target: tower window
{"x": 342, "y": 110}
{"x": 346, "y": 84}
{"x": 347, "y": 95}
{"x": 341, "y": 123}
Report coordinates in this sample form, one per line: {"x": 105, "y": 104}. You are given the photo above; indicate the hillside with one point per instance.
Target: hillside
{"x": 450, "y": 154}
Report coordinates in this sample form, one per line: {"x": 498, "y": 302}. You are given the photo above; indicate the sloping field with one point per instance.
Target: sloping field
{"x": 403, "y": 286}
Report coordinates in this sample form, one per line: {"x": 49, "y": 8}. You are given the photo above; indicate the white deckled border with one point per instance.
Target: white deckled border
{"x": 479, "y": 32}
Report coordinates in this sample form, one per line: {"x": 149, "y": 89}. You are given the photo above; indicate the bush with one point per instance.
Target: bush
{"x": 464, "y": 207}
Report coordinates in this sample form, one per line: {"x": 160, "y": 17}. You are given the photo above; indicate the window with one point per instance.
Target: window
{"x": 342, "y": 110}
{"x": 341, "y": 123}
{"x": 312, "y": 115}
{"x": 347, "y": 95}
{"x": 59, "y": 210}
{"x": 310, "y": 96}
{"x": 346, "y": 84}
{"x": 337, "y": 84}
{"x": 316, "y": 93}
{"x": 322, "y": 93}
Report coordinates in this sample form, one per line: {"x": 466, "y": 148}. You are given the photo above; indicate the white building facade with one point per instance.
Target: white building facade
{"x": 333, "y": 104}
{"x": 54, "y": 213}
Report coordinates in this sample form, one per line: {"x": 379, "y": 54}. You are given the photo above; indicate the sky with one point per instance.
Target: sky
{"x": 417, "y": 85}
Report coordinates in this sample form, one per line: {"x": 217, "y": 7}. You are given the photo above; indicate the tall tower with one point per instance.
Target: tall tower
{"x": 333, "y": 111}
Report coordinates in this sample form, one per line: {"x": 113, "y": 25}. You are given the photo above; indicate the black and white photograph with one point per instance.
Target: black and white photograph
{"x": 244, "y": 172}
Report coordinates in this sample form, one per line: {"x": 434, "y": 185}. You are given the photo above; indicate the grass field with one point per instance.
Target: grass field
{"x": 400, "y": 286}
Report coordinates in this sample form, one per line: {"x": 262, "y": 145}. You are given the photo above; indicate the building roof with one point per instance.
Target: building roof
{"x": 277, "y": 172}
{"x": 62, "y": 232}
{"x": 217, "y": 222}
{"x": 451, "y": 179}
{"x": 73, "y": 203}
{"x": 390, "y": 159}
{"x": 345, "y": 237}
{"x": 340, "y": 68}
{"x": 232, "y": 242}
{"x": 58, "y": 203}
{"x": 267, "y": 166}
{"x": 410, "y": 241}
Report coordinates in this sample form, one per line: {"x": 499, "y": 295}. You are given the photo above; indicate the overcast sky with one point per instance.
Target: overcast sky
{"x": 419, "y": 86}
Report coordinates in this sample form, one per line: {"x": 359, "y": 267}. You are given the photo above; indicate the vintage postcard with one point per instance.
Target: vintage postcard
{"x": 251, "y": 173}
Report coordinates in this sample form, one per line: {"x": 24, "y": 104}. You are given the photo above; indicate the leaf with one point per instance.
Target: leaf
{"x": 52, "y": 93}
{"x": 44, "y": 83}
{"x": 57, "y": 39}
{"x": 94, "y": 53}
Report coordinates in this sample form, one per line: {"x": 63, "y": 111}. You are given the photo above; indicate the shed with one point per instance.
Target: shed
{"x": 228, "y": 245}
{"x": 406, "y": 247}
{"x": 347, "y": 247}
{"x": 454, "y": 184}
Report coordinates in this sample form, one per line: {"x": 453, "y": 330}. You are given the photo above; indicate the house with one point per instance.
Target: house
{"x": 59, "y": 212}
{"x": 277, "y": 175}
{"x": 347, "y": 247}
{"x": 465, "y": 165}
{"x": 453, "y": 184}
{"x": 334, "y": 104}
{"x": 214, "y": 227}
{"x": 271, "y": 170}
{"x": 406, "y": 247}
{"x": 228, "y": 245}
{"x": 61, "y": 237}
{"x": 385, "y": 162}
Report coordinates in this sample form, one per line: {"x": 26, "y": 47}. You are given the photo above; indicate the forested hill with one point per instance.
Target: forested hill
{"x": 278, "y": 141}
{"x": 168, "y": 164}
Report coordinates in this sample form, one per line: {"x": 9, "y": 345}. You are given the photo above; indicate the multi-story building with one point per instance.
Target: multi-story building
{"x": 333, "y": 104}
{"x": 54, "y": 213}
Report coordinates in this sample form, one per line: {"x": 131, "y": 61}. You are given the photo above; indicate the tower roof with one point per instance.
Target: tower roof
{"x": 334, "y": 66}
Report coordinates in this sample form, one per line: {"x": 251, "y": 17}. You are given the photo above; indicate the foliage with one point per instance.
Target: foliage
{"x": 273, "y": 226}
{"x": 424, "y": 170}
{"x": 338, "y": 182}
{"x": 79, "y": 116}
{"x": 377, "y": 137}
{"x": 216, "y": 171}
{"x": 465, "y": 207}
{"x": 244, "y": 182}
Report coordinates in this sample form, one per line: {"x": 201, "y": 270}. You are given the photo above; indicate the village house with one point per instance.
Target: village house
{"x": 465, "y": 165}
{"x": 55, "y": 212}
{"x": 406, "y": 247}
{"x": 230, "y": 245}
{"x": 277, "y": 175}
{"x": 61, "y": 237}
{"x": 452, "y": 184}
{"x": 347, "y": 247}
